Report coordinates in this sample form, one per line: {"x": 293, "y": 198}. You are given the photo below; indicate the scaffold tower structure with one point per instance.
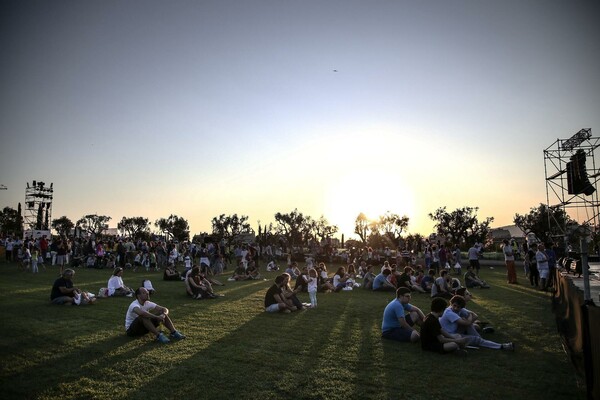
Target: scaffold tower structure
{"x": 572, "y": 179}
{"x": 38, "y": 205}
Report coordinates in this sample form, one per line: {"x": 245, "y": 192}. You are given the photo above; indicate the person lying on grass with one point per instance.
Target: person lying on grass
{"x": 453, "y": 323}
{"x": 434, "y": 338}
{"x": 399, "y": 317}
{"x": 63, "y": 291}
{"x": 144, "y": 316}
{"x": 275, "y": 300}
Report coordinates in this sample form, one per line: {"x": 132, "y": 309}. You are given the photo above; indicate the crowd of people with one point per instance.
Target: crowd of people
{"x": 447, "y": 328}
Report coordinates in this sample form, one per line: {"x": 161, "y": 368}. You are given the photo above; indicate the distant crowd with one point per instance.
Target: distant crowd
{"x": 199, "y": 265}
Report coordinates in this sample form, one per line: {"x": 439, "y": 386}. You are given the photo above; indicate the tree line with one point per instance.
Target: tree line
{"x": 461, "y": 226}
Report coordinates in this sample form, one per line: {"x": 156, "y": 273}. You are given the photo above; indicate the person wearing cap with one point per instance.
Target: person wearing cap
{"x": 64, "y": 293}
{"x": 116, "y": 287}
{"x": 144, "y": 316}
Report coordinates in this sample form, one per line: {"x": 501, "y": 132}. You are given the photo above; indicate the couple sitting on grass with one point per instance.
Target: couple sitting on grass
{"x": 281, "y": 297}
{"x": 444, "y": 330}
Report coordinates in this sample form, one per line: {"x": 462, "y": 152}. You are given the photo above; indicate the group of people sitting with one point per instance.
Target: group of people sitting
{"x": 446, "y": 329}
{"x": 440, "y": 284}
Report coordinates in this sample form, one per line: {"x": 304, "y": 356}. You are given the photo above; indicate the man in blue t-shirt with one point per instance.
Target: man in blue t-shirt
{"x": 381, "y": 283}
{"x": 400, "y": 316}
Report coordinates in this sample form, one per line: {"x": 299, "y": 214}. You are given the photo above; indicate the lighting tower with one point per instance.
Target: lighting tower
{"x": 38, "y": 205}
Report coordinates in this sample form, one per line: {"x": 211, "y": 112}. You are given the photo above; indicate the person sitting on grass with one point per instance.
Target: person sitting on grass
{"x": 428, "y": 280}
{"x": 198, "y": 286}
{"x": 63, "y": 291}
{"x": 434, "y": 338}
{"x": 399, "y": 317}
{"x": 478, "y": 325}
{"x": 381, "y": 282}
{"x": 116, "y": 287}
{"x": 324, "y": 284}
{"x": 368, "y": 278}
{"x": 240, "y": 274}
{"x": 293, "y": 270}
{"x": 472, "y": 280}
{"x": 405, "y": 280}
{"x": 145, "y": 316}
{"x": 441, "y": 285}
{"x": 302, "y": 280}
{"x": 275, "y": 301}
{"x": 340, "y": 278}
{"x": 209, "y": 274}
{"x": 289, "y": 293}
{"x": 453, "y": 323}
{"x": 171, "y": 273}
{"x": 252, "y": 270}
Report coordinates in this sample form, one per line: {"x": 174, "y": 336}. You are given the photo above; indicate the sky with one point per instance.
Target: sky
{"x": 202, "y": 108}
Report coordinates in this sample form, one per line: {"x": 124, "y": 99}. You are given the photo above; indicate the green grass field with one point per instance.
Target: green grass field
{"x": 236, "y": 350}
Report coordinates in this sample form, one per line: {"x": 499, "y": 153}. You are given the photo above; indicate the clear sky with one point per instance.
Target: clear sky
{"x": 200, "y": 108}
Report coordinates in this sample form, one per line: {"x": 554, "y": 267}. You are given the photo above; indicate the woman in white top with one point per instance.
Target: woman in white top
{"x": 116, "y": 287}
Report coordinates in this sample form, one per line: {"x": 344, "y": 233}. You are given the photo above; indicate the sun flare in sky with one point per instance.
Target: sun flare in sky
{"x": 368, "y": 191}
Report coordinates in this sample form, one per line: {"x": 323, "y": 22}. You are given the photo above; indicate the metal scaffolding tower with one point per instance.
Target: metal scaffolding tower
{"x": 561, "y": 160}
{"x": 38, "y": 206}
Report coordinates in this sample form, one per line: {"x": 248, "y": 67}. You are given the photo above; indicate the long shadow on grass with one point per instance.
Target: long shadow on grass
{"x": 310, "y": 354}
{"x": 67, "y": 366}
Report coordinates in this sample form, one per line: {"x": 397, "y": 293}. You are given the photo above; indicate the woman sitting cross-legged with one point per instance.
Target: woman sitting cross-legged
{"x": 198, "y": 286}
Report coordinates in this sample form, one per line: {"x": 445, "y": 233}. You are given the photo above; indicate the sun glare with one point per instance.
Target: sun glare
{"x": 372, "y": 193}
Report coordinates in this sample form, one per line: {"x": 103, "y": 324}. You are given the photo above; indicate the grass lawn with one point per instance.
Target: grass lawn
{"x": 236, "y": 350}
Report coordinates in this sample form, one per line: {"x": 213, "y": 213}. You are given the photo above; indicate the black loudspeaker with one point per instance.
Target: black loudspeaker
{"x": 577, "y": 178}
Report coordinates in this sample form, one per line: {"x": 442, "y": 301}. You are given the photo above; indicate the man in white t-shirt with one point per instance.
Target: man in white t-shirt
{"x": 145, "y": 316}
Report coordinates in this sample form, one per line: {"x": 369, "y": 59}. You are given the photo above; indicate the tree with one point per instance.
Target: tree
{"x": 461, "y": 224}
{"x": 415, "y": 242}
{"x": 362, "y": 227}
{"x": 320, "y": 229}
{"x": 229, "y": 226}
{"x": 10, "y": 222}
{"x": 292, "y": 226}
{"x": 135, "y": 227}
{"x": 174, "y": 227}
{"x": 538, "y": 219}
{"x": 62, "y": 225}
{"x": 93, "y": 224}
{"x": 391, "y": 225}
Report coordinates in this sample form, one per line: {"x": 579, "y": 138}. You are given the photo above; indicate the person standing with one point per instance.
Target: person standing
{"x": 534, "y": 274}
{"x": 542, "y": 266}
{"x": 473, "y": 255}
{"x": 509, "y": 259}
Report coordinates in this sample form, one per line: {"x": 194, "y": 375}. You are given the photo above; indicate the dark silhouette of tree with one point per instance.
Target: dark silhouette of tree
{"x": 362, "y": 227}
{"x": 461, "y": 225}
{"x": 63, "y": 225}
{"x": 544, "y": 222}
{"x": 10, "y": 222}
{"x": 134, "y": 227}
{"x": 93, "y": 224}
{"x": 174, "y": 227}
{"x": 391, "y": 226}
{"x": 292, "y": 226}
{"x": 321, "y": 230}
{"x": 229, "y": 226}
